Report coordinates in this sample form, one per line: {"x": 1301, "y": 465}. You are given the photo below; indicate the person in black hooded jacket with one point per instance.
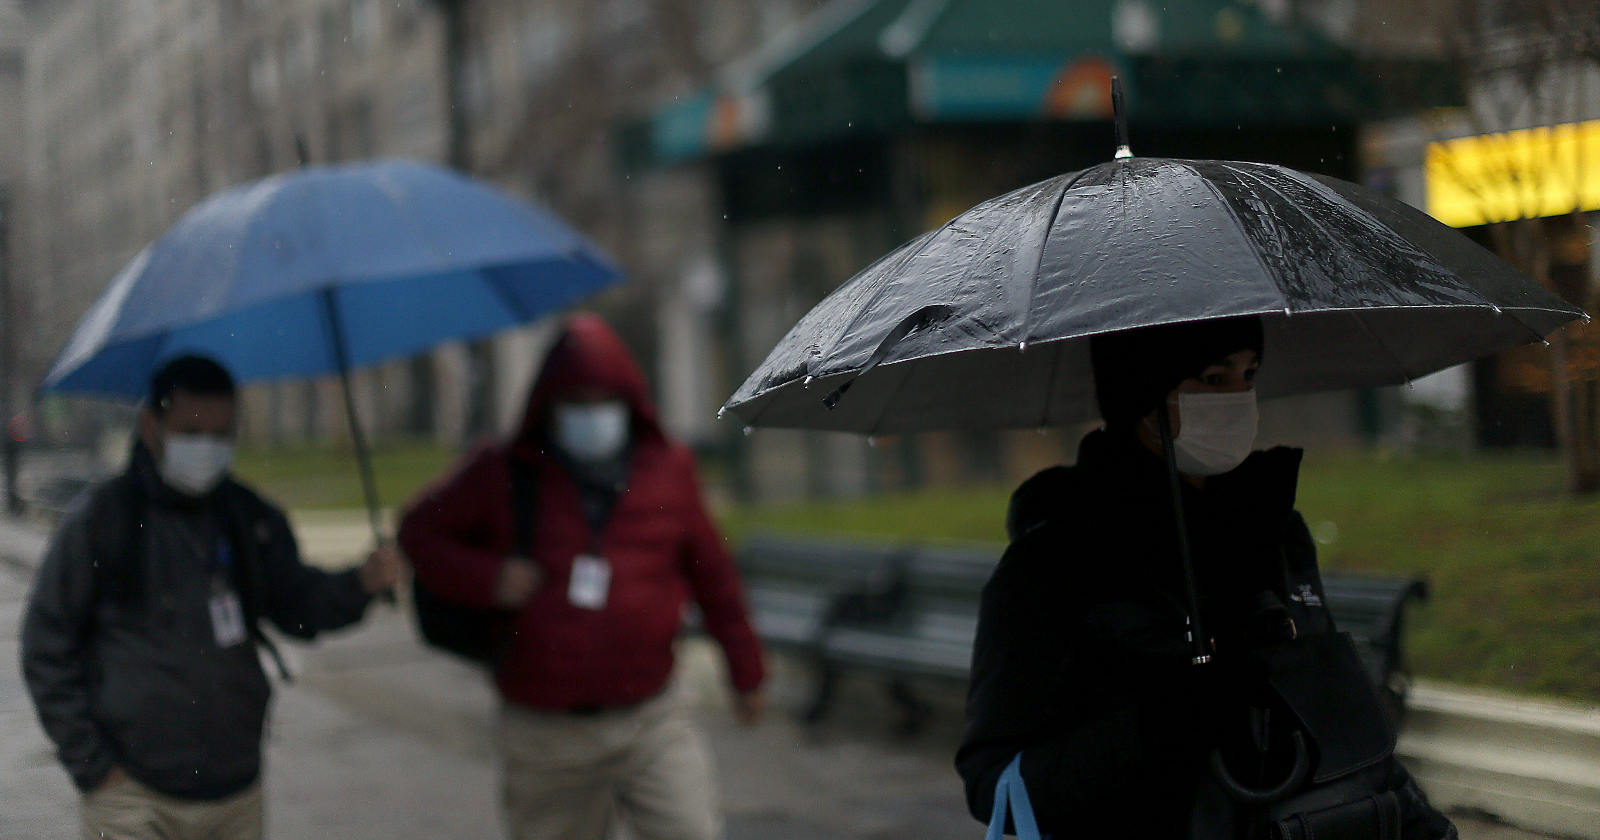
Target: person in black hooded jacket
{"x": 1082, "y": 662}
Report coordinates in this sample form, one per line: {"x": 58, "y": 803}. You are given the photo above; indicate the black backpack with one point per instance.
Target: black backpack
{"x": 475, "y": 633}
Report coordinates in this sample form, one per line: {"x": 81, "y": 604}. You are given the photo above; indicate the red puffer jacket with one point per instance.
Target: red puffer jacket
{"x": 658, "y": 540}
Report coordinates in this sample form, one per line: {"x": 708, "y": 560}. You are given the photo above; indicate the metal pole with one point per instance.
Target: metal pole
{"x": 10, "y": 446}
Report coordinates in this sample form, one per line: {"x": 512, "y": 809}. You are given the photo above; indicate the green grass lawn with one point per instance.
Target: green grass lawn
{"x": 323, "y": 477}
{"x": 1511, "y": 559}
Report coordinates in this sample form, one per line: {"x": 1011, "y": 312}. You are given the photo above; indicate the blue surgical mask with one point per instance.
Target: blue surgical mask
{"x": 592, "y": 431}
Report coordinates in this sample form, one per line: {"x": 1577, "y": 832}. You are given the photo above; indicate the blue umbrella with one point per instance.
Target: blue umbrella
{"x": 326, "y": 268}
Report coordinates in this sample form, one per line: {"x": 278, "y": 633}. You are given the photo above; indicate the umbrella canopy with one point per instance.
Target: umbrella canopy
{"x": 384, "y": 258}
{"x": 983, "y": 322}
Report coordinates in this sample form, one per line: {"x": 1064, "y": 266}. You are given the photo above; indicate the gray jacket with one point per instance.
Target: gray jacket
{"x": 118, "y": 648}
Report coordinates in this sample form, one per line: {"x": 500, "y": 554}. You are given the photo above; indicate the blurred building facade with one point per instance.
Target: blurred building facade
{"x": 1513, "y": 168}
{"x": 136, "y": 110}
{"x": 873, "y": 121}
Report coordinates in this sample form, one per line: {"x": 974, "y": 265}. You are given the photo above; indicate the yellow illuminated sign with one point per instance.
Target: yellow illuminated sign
{"x": 1524, "y": 174}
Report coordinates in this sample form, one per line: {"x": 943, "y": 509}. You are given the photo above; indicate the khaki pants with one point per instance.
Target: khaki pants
{"x": 574, "y": 777}
{"x": 127, "y": 810}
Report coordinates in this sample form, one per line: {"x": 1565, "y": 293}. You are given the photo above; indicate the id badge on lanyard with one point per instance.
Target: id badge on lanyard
{"x": 590, "y": 585}
{"x": 227, "y": 613}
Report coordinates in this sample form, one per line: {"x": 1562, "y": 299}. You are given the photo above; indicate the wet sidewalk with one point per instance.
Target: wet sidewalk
{"x": 382, "y": 738}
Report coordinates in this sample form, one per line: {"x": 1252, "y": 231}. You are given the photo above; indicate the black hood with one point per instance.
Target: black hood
{"x": 1114, "y": 468}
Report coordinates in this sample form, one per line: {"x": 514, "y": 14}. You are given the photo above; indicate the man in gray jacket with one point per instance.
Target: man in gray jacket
{"x": 139, "y": 642}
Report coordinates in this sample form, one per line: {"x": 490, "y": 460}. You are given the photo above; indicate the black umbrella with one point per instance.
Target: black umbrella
{"x": 984, "y": 322}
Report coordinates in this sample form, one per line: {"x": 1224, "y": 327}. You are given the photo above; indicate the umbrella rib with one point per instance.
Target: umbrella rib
{"x": 877, "y": 425}
{"x": 771, "y": 398}
{"x": 1537, "y": 336}
{"x": 506, "y": 298}
{"x": 1239, "y": 223}
{"x": 921, "y": 244}
{"x": 1332, "y": 195}
{"x": 1387, "y": 350}
{"x": 1396, "y": 240}
{"x": 1038, "y": 263}
{"x": 1050, "y": 384}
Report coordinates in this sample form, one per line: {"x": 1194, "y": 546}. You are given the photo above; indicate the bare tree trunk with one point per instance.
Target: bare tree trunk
{"x": 1585, "y": 476}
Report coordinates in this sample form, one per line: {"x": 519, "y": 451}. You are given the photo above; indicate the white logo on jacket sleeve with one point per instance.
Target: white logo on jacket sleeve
{"x": 1304, "y": 594}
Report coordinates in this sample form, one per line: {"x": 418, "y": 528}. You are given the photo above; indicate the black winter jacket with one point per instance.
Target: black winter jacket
{"x": 1081, "y": 661}
{"x": 118, "y": 649}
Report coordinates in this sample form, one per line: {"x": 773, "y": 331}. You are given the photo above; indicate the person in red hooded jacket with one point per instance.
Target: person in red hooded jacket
{"x": 590, "y": 730}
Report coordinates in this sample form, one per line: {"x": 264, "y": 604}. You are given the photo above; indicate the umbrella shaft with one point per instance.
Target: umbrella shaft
{"x": 1197, "y": 634}
{"x": 341, "y": 352}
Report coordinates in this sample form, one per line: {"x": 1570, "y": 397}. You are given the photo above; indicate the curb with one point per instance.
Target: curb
{"x": 1531, "y": 763}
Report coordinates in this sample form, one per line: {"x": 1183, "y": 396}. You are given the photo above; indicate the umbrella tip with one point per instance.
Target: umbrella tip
{"x": 722, "y": 412}
{"x": 1120, "y": 117}
{"x": 806, "y": 383}
{"x": 1022, "y": 347}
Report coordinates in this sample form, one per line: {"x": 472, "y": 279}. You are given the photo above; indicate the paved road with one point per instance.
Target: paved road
{"x": 379, "y": 738}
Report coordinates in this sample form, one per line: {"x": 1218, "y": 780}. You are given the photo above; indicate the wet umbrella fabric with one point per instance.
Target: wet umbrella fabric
{"x": 392, "y": 256}
{"x": 325, "y": 269}
{"x": 983, "y": 322}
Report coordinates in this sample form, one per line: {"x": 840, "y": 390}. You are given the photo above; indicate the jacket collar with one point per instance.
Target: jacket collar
{"x": 1120, "y": 464}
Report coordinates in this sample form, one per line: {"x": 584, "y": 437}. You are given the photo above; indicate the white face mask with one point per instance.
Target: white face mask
{"x": 592, "y": 431}
{"x": 1215, "y": 431}
{"x": 195, "y": 464}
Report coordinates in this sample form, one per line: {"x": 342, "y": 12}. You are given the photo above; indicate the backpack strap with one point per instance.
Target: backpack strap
{"x": 247, "y": 530}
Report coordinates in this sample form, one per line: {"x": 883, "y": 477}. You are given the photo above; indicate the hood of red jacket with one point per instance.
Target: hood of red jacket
{"x": 587, "y": 356}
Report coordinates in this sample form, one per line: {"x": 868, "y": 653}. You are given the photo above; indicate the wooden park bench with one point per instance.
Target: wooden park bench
{"x": 910, "y": 612}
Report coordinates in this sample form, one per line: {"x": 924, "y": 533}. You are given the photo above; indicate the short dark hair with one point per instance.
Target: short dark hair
{"x": 192, "y": 374}
{"x": 1134, "y": 370}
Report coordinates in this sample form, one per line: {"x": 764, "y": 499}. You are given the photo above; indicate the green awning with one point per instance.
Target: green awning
{"x": 862, "y": 66}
